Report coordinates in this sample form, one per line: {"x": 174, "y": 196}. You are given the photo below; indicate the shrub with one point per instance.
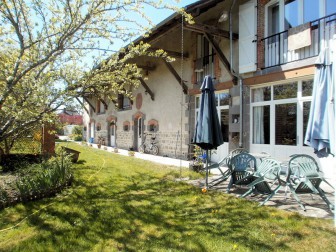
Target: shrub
{"x": 53, "y": 175}
{"x": 77, "y": 130}
{"x": 77, "y": 137}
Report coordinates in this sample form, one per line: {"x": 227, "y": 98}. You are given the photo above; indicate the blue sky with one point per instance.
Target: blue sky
{"x": 155, "y": 15}
{"x": 159, "y": 15}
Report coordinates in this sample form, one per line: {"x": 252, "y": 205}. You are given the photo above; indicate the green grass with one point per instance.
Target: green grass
{"x": 120, "y": 203}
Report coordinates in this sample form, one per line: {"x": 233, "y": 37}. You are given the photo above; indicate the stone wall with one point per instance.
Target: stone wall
{"x": 124, "y": 139}
{"x": 170, "y": 144}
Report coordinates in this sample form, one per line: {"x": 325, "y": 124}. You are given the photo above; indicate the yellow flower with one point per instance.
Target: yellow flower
{"x": 272, "y": 234}
{"x": 235, "y": 246}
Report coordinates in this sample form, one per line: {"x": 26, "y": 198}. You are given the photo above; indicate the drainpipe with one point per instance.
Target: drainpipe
{"x": 240, "y": 79}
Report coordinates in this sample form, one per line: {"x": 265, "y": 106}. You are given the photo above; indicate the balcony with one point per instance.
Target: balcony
{"x": 276, "y": 49}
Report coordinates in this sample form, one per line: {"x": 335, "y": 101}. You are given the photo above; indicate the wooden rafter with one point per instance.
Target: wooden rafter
{"x": 93, "y": 108}
{"x": 177, "y": 77}
{"x": 144, "y": 84}
{"x": 219, "y": 52}
{"x": 82, "y": 104}
{"x": 214, "y": 31}
{"x": 172, "y": 53}
{"x": 102, "y": 101}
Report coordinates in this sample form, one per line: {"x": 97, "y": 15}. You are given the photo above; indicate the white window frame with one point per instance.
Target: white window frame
{"x": 272, "y": 148}
{"x": 218, "y": 106}
{"x": 322, "y": 13}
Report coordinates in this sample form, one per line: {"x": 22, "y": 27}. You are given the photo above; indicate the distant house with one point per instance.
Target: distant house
{"x": 70, "y": 119}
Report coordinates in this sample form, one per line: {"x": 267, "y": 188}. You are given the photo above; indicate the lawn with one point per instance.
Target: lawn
{"x": 121, "y": 203}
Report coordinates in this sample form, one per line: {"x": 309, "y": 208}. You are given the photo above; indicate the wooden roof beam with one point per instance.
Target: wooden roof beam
{"x": 172, "y": 53}
{"x": 219, "y": 52}
{"x": 210, "y": 30}
{"x": 102, "y": 101}
{"x": 148, "y": 90}
{"x": 177, "y": 77}
{"x": 93, "y": 108}
{"x": 82, "y": 104}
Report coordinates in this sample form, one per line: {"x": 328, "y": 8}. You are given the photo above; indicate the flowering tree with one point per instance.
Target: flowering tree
{"x": 45, "y": 47}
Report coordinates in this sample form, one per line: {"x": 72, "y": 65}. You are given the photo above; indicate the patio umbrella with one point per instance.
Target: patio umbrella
{"x": 208, "y": 133}
{"x": 320, "y": 132}
{"x": 321, "y": 128}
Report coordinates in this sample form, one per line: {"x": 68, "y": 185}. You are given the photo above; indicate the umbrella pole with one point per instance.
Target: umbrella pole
{"x": 207, "y": 171}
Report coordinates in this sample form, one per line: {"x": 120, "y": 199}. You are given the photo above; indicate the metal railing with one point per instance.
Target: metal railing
{"x": 276, "y": 50}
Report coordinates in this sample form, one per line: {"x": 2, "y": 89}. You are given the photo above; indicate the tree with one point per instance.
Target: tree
{"x": 44, "y": 55}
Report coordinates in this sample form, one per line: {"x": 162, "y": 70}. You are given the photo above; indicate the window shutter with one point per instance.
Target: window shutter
{"x": 247, "y": 35}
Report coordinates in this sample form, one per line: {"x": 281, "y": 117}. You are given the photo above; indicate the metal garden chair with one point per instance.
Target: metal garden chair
{"x": 264, "y": 179}
{"x": 242, "y": 166}
{"x": 305, "y": 177}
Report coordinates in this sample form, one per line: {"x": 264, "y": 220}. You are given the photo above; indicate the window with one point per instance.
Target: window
{"x": 197, "y": 102}
{"x": 280, "y": 113}
{"x": 98, "y": 127}
{"x": 204, "y": 64}
{"x": 100, "y": 107}
{"x": 330, "y": 7}
{"x": 282, "y": 15}
{"x": 285, "y": 124}
{"x": 126, "y": 126}
{"x": 285, "y": 91}
{"x": 153, "y": 125}
{"x": 273, "y": 13}
{"x": 124, "y": 103}
{"x": 222, "y": 101}
{"x": 291, "y": 14}
{"x": 311, "y": 10}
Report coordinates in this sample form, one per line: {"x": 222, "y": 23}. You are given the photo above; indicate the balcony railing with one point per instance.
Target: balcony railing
{"x": 276, "y": 46}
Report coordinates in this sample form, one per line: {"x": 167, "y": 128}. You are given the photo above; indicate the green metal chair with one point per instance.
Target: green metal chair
{"x": 264, "y": 178}
{"x": 304, "y": 177}
{"x": 242, "y": 166}
{"x": 224, "y": 163}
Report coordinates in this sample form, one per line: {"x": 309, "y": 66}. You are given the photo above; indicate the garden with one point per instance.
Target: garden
{"x": 121, "y": 203}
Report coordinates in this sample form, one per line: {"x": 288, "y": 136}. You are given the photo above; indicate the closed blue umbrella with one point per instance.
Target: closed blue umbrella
{"x": 320, "y": 132}
{"x": 208, "y": 133}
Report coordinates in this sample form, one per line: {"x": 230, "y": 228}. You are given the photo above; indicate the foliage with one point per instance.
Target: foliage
{"x": 120, "y": 203}
{"x": 77, "y": 137}
{"x": 45, "y": 55}
{"x": 19, "y": 161}
{"x": 77, "y": 130}
{"x": 52, "y": 174}
{"x": 77, "y": 133}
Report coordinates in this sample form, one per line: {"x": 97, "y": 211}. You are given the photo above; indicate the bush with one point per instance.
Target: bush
{"x": 77, "y": 130}
{"x": 12, "y": 162}
{"x": 77, "y": 137}
{"x": 53, "y": 175}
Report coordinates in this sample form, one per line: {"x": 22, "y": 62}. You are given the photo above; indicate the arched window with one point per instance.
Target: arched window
{"x": 126, "y": 126}
{"x": 153, "y": 125}
{"x": 98, "y": 127}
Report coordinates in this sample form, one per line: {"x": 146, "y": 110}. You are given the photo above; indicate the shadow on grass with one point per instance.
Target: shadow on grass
{"x": 122, "y": 210}
{"x": 144, "y": 212}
